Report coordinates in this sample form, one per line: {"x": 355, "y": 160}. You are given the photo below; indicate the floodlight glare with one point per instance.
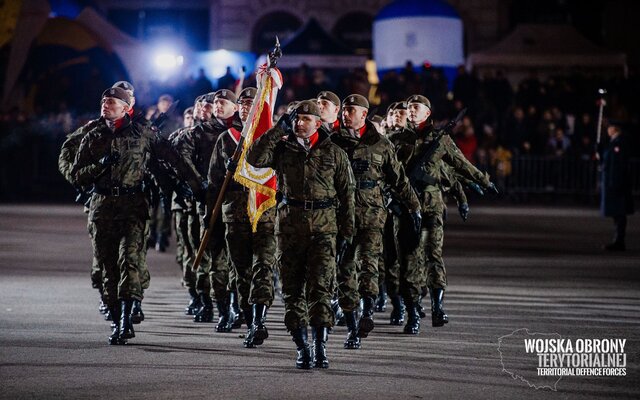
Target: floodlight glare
{"x": 168, "y": 61}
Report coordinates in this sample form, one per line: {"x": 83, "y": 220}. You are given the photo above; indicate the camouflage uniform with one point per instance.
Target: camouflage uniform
{"x": 252, "y": 254}
{"x": 410, "y": 145}
{"x": 307, "y": 235}
{"x": 370, "y": 217}
{"x": 196, "y": 148}
{"x": 119, "y": 207}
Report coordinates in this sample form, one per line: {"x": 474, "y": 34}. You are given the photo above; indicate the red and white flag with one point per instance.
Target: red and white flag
{"x": 260, "y": 181}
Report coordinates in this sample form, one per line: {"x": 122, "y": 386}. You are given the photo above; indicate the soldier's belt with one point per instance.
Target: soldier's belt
{"x": 366, "y": 184}
{"x": 309, "y": 204}
{"x": 118, "y": 190}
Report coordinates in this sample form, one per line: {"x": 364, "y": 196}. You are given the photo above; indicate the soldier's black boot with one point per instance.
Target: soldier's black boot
{"x": 251, "y": 332}
{"x": 413, "y": 320}
{"x": 320, "y": 347}
{"x": 236, "y": 315}
{"x": 438, "y": 316}
{"x": 126, "y": 327}
{"x": 303, "y": 360}
{"x": 423, "y": 294}
{"x": 225, "y": 323}
{"x": 205, "y": 313}
{"x": 337, "y": 311}
{"x": 259, "y": 319}
{"x": 114, "y": 338}
{"x": 381, "y": 301}
{"x": 194, "y": 304}
{"x": 397, "y": 314}
{"x": 137, "y": 315}
{"x": 365, "y": 325}
{"x": 352, "y": 341}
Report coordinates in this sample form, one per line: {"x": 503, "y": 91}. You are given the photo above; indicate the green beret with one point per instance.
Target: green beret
{"x": 355, "y": 100}
{"x": 248, "y": 93}
{"x": 188, "y": 110}
{"x": 308, "y": 107}
{"x": 117, "y": 93}
{"x": 330, "y": 96}
{"x": 209, "y": 97}
{"x": 124, "y": 85}
{"x": 225, "y": 94}
{"x": 416, "y": 98}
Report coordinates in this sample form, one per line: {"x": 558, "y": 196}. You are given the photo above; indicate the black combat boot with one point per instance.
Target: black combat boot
{"x": 397, "y": 314}
{"x": 366, "y": 319}
{"x": 115, "y": 339}
{"x": 303, "y": 361}
{"x": 225, "y": 323}
{"x": 205, "y": 313}
{"x": 352, "y": 341}
{"x": 438, "y": 316}
{"x": 126, "y": 327}
{"x": 259, "y": 320}
{"x": 137, "y": 315}
{"x": 237, "y": 317}
{"x": 413, "y": 320}
{"x": 194, "y": 304}
{"x": 381, "y": 301}
{"x": 423, "y": 294}
{"x": 251, "y": 332}
{"x": 337, "y": 311}
{"x": 320, "y": 347}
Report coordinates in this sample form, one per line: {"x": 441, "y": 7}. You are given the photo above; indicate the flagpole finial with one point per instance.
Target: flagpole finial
{"x": 274, "y": 54}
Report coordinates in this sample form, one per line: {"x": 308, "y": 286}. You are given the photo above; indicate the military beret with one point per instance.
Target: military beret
{"x": 124, "y": 85}
{"x": 225, "y": 94}
{"x": 401, "y": 105}
{"x": 376, "y": 118}
{"x": 208, "y": 98}
{"x": 200, "y": 98}
{"x": 188, "y": 110}
{"x": 166, "y": 97}
{"x": 117, "y": 93}
{"x": 327, "y": 95}
{"x": 355, "y": 100}
{"x": 248, "y": 93}
{"x": 392, "y": 107}
{"x": 416, "y": 98}
{"x": 308, "y": 107}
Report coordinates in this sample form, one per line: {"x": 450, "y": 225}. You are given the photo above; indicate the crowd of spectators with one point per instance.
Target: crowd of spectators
{"x": 554, "y": 117}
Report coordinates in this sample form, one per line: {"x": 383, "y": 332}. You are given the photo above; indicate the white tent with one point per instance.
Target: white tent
{"x": 547, "y": 48}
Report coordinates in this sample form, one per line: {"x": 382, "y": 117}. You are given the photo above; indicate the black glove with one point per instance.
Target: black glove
{"x": 342, "y": 245}
{"x": 476, "y": 188}
{"x": 109, "y": 159}
{"x": 184, "y": 191}
{"x": 463, "y": 209}
{"x": 231, "y": 165}
{"x": 360, "y": 166}
{"x": 416, "y": 218}
{"x": 491, "y": 187}
{"x": 202, "y": 195}
{"x": 285, "y": 122}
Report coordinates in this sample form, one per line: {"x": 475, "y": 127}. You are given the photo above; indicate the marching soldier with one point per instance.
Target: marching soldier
{"x": 329, "y": 105}
{"x": 374, "y": 163}
{"x": 113, "y": 157}
{"x": 252, "y": 254}
{"x": 197, "y": 148}
{"x": 412, "y": 144}
{"x": 317, "y": 204}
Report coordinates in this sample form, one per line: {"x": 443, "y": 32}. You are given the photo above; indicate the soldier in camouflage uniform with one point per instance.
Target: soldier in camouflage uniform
{"x": 374, "y": 164}
{"x": 113, "y": 157}
{"x": 411, "y": 144}
{"x": 196, "y": 148}
{"x": 252, "y": 254}
{"x": 329, "y": 106}
{"x": 187, "y": 225}
{"x": 314, "y": 178}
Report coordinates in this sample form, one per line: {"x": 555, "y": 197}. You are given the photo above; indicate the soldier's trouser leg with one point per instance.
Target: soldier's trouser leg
{"x": 307, "y": 268}
{"x": 96, "y": 271}
{"x": 368, "y": 250}
{"x": 410, "y": 273}
{"x": 106, "y": 242}
{"x": 164, "y": 223}
{"x": 188, "y": 252}
{"x": 264, "y": 259}
{"x": 177, "y": 217}
{"x": 436, "y": 273}
{"x": 219, "y": 265}
{"x": 145, "y": 277}
{"x": 239, "y": 240}
{"x": 347, "y": 277}
{"x": 134, "y": 274}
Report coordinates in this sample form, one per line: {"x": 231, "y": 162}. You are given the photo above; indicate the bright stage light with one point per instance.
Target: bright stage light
{"x": 168, "y": 61}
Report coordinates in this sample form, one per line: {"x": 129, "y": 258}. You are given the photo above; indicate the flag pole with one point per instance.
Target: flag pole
{"x": 272, "y": 61}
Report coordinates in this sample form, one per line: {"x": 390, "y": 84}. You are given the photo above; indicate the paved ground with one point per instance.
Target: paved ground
{"x": 509, "y": 268}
